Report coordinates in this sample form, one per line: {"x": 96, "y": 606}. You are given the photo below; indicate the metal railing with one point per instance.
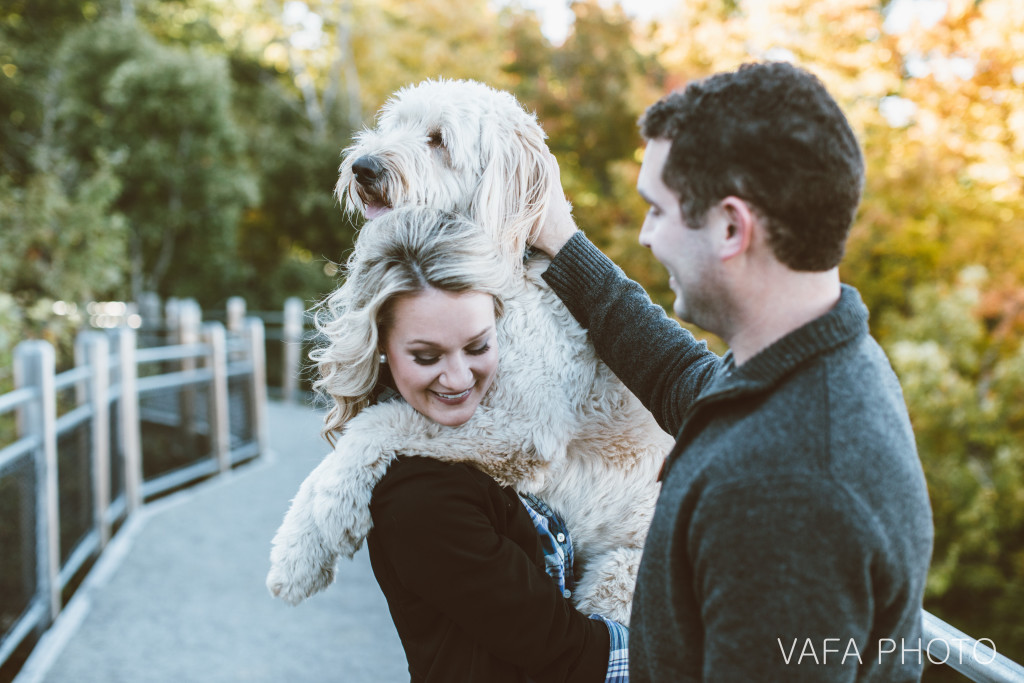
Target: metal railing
{"x": 91, "y": 446}
{"x": 945, "y": 645}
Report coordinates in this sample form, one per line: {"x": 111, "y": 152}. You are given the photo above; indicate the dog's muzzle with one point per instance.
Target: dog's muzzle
{"x": 368, "y": 173}
{"x": 367, "y": 170}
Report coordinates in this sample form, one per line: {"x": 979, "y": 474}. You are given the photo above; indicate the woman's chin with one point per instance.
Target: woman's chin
{"x": 452, "y": 418}
{"x": 448, "y": 415}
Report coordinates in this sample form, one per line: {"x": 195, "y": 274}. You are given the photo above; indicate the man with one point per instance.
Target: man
{"x": 793, "y": 533}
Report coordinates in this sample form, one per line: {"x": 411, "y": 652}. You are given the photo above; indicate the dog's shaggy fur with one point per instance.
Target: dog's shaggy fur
{"x": 556, "y": 421}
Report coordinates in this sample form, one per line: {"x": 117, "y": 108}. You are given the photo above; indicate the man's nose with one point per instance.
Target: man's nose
{"x": 645, "y": 234}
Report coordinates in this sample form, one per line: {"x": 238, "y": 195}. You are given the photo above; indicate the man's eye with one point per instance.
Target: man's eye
{"x": 422, "y": 360}
{"x": 479, "y": 351}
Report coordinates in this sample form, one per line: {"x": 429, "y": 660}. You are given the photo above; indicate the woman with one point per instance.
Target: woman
{"x": 465, "y": 564}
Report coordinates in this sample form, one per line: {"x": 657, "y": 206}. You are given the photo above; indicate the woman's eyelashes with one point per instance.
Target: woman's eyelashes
{"x": 480, "y": 350}
{"x": 430, "y": 360}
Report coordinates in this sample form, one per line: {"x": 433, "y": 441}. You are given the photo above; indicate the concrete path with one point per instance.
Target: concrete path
{"x": 179, "y": 594}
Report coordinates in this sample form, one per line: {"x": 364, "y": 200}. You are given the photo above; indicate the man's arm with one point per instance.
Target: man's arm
{"x": 657, "y": 359}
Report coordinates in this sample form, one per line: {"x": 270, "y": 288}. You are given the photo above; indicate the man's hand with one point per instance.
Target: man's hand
{"x": 556, "y": 225}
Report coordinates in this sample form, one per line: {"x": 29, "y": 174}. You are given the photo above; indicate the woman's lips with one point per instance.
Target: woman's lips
{"x": 452, "y": 399}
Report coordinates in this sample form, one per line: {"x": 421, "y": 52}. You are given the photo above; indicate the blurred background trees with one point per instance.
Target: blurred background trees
{"x": 190, "y": 147}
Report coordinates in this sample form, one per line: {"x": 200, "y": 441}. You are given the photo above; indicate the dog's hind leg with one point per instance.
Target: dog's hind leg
{"x": 607, "y": 584}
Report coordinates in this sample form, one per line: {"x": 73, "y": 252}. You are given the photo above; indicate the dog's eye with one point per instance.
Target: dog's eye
{"x": 434, "y": 139}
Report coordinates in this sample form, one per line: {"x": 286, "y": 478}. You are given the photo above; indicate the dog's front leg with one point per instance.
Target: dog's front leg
{"x": 301, "y": 558}
{"x": 329, "y": 516}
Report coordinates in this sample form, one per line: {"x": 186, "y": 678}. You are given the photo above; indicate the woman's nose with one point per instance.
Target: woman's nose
{"x": 457, "y": 374}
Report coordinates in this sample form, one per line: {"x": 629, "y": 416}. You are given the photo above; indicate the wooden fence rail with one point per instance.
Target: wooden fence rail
{"x": 92, "y": 444}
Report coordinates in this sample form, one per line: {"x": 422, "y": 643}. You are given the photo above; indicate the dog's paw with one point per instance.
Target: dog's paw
{"x": 297, "y": 573}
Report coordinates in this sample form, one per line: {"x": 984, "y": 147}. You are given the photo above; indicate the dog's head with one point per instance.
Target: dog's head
{"x": 453, "y": 145}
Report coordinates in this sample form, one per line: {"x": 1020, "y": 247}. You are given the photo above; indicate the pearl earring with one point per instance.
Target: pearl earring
{"x": 383, "y": 359}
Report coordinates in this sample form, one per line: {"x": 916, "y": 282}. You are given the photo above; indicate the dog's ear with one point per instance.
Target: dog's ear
{"x": 513, "y": 189}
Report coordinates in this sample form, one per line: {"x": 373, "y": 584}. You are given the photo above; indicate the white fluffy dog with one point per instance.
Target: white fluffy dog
{"x": 556, "y": 421}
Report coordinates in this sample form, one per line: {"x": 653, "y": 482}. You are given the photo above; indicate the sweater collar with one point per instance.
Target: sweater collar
{"x": 846, "y": 321}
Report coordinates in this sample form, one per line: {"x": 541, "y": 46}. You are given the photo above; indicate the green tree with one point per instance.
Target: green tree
{"x": 29, "y": 34}
{"x": 966, "y": 396}
{"x": 55, "y": 245}
{"x": 163, "y": 116}
{"x": 60, "y": 238}
{"x": 588, "y": 94}
{"x": 297, "y": 229}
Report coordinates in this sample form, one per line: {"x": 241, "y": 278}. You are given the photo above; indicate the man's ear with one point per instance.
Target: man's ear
{"x": 740, "y": 225}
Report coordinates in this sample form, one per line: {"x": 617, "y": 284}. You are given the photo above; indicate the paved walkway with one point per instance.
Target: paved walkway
{"x": 179, "y": 594}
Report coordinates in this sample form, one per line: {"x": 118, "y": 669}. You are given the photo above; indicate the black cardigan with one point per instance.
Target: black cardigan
{"x": 460, "y": 563}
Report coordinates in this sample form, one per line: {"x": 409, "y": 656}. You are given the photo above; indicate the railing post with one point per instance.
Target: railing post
{"x": 217, "y": 362}
{"x": 152, "y": 327}
{"x": 35, "y": 366}
{"x": 190, "y": 318}
{"x": 93, "y": 349}
{"x": 149, "y": 310}
{"x": 236, "y": 315}
{"x": 172, "y": 319}
{"x": 131, "y": 438}
{"x": 292, "y": 336}
{"x": 255, "y": 339}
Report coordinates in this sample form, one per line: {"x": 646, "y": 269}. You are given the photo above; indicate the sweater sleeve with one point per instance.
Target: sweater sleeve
{"x": 656, "y": 358}
{"x": 783, "y": 576}
{"x": 436, "y": 529}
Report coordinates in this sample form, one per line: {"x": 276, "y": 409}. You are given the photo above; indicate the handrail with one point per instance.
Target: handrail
{"x": 16, "y": 398}
{"x": 156, "y": 354}
{"x": 72, "y": 377}
{"x": 966, "y": 655}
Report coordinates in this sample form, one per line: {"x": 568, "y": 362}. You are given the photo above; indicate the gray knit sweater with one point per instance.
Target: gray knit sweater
{"x": 793, "y": 534}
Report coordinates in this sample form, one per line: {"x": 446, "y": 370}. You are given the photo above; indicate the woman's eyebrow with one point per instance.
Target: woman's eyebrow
{"x": 424, "y": 342}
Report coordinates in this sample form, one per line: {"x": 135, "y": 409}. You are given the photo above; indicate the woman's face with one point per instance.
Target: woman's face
{"x": 442, "y": 352}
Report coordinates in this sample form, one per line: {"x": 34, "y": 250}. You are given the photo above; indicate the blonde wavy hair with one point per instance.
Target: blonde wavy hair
{"x": 403, "y": 252}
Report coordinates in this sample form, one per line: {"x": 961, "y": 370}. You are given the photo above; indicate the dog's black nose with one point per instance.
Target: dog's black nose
{"x": 366, "y": 169}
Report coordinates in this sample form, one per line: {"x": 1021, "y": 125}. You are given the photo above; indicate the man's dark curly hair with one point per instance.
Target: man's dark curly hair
{"x": 770, "y": 134}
